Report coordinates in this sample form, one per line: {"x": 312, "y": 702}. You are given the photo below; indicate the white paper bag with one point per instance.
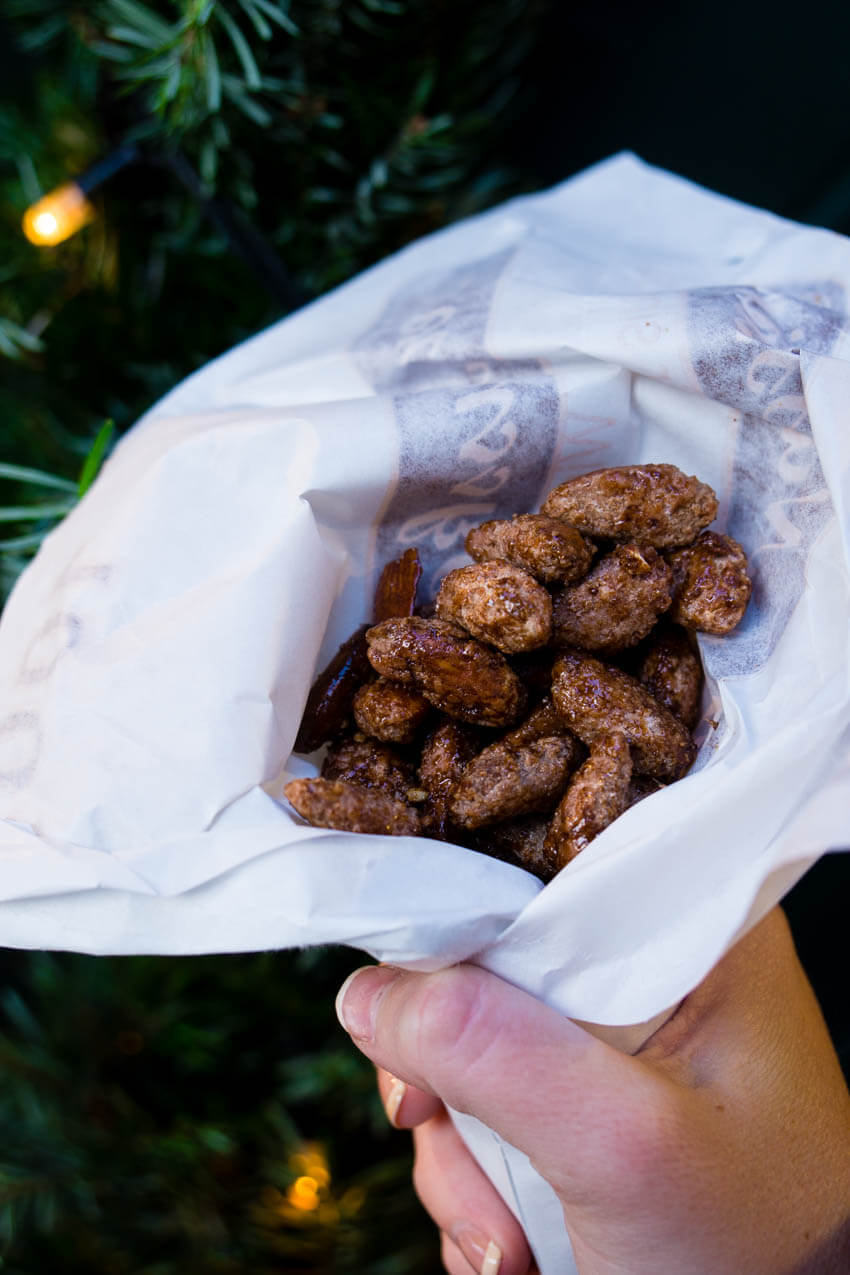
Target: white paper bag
{"x": 156, "y": 657}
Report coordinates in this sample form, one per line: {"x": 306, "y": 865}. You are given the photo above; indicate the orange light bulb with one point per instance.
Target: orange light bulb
{"x": 57, "y": 215}
{"x": 304, "y": 1194}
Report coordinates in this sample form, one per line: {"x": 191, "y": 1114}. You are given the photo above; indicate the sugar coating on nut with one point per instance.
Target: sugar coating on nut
{"x": 597, "y": 795}
{"x": 446, "y": 752}
{"x": 503, "y": 781}
{"x": 654, "y": 505}
{"x": 711, "y": 587}
{"x": 333, "y": 803}
{"x": 642, "y": 786}
{"x": 370, "y": 764}
{"x": 329, "y": 701}
{"x": 671, "y": 670}
{"x": 547, "y": 548}
{"x": 390, "y": 712}
{"x": 617, "y": 604}
{"x": 595, "y": 698}
{"x": 395, "y": 593}
{"x": 521, "y": 840}
{"x": 497, "y": 603}
{"x": 457, "y": 673}
{"x": 543, "y": 720}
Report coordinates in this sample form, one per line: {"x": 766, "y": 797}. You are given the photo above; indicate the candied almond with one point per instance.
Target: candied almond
{"x": 368, "y": 763}
{"x": 711, "y": 587}
{"x": 650, "y": 504}
{"x": 503, "y": 781}
{"x": 455, "y": 672}
{"x": 391, "y": 712}
{"x": 595, "y": 698}
{"x": 497, "y": 603}
{"x": 597, "y": 795}
{"x": 617, "y": 604}
{"x": 329, "y": 701}
{"x": 396, "y": 589}
{"x": 547, "y": 548}
{"x": 333, "y": 803}
{"x": 671, "y": 670}
{"x": 446, "y": 752}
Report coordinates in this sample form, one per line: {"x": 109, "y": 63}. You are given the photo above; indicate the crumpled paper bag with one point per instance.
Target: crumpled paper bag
{"x": 156, "y": 656}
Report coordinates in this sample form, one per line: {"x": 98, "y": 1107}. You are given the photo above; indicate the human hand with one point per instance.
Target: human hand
{"x": 721, "y": 1148}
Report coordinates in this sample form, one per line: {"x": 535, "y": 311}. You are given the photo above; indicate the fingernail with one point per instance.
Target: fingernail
{"x": 357, "y": 999}
{"x": 395, "y": 1097}
{"x": 492, "y": 1259}
{"x": 482, "y": 1253}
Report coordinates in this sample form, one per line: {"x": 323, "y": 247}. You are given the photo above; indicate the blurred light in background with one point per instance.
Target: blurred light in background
{"x": 57, "y": 215}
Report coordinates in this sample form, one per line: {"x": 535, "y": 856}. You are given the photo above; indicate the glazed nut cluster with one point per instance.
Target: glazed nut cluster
{"x": 553, "y": 682}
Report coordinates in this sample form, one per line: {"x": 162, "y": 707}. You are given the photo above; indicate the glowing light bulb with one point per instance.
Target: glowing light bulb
{"x": 57, "y": 216}
{"x": 304, "y": 1194}
{"x": 45, "y": 225}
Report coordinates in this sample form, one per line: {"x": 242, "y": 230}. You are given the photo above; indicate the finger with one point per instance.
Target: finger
{"x": 405, "y": 1105}
{"x": 453, "y": 1260}
{"x": 487, "y": 1048}
{"x": 464, "y": 1203}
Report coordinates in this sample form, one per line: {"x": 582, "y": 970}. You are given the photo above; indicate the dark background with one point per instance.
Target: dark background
{"x": 750, "y": 99}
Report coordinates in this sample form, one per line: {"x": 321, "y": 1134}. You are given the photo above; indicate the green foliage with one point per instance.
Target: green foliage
{"x": 154, "y": 1111}
{"x": 338, "y": 130}
{"x": 156, "y": 1114}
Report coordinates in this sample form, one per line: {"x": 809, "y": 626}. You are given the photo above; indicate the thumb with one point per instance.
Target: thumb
{"x": 489, "y": 1049}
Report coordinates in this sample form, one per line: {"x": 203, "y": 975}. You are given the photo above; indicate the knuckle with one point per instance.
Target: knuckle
{"x": 446, "y": 1030}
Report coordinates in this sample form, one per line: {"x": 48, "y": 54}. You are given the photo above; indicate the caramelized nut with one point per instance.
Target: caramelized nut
{"x": 459, "y": 675}
{"x": 651, "y": 504}
{"x": 369, "y": 764}
{"x": 503, "y": 781}
{"x": 333, "y": 803}
{"x": 499, "y": 604}
{"x": 330, "y": 698}
{"x": 671, "y": 670}
{"x": 446, "y": 753}
{"x": 547, "y": 548}
{"x": 594, "y": 699}
{"x": 616, "y": 604}
{"x": 597, "y": 795}
{"x": 521, "y": 841}
{"x": 711, "y": 587}
{"x": 389, "y": 711}
{"x": 396, "y": 590}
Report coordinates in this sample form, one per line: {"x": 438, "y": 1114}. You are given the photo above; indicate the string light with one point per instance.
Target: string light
{"x": 58, "y": 215}
{"x": 303, "y": 1194}
{"x": 309, "y": 1200}
{"x": 308, "y": 1193}
{"x": 65, "y": 210}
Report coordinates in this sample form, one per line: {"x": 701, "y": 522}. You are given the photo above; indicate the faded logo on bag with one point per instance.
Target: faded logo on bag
{"x": 745, "y": 345}
{"x": 476, "y": 434}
